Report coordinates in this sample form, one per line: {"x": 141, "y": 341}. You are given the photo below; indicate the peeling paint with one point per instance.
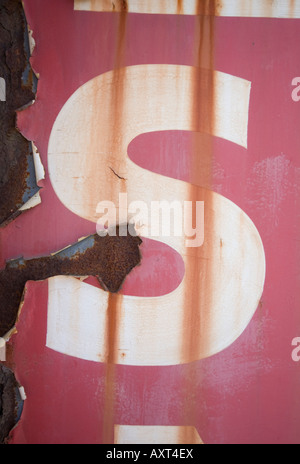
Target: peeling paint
{"x": 10, "y": 402}
{"x": 108, "y": 258}
{"x": 18, "y": 182}
{"x": 203, "y": 394}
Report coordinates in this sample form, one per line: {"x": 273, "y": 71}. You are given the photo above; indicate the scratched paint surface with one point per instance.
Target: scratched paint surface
{"x": 248, "y": 392}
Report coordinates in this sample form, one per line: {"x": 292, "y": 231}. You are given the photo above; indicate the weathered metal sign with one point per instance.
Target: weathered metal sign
{"x": 169, "y": 135}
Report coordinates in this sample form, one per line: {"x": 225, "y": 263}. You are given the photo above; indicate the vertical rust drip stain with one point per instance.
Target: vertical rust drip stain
{"x": 186, "y": 435}
{"x": 269, "y": 10}
{"x": 121, "y": 37}
{"x": 199, "y": 270}
{"x": 292, "y": 8}
{"x": 204, "y": 118}
{"x": 114, "y": 303}
{"x": 117, "y": 185}
{"x": 115, "y": 118}
{"x": 112, "y": 329}
{"x": 119, "y": 78}
{"x": 118, "y": 94}
{"x": 179, "y": 9}
{"x": 124, "y": 5}
{"x": 203, "y": 90}
{"x": 109, "y": 406}
{"x": 94, "y": 5}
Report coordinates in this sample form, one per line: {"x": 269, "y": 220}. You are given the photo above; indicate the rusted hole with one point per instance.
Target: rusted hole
{"x": 109, "y": 258}
{"x": 10, "y": 403}
{"x": 17, "y": 175}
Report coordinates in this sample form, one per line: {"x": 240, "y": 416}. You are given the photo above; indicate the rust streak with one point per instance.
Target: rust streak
{"x": 109, "y": 405}
{"x": 110, "y": 259}
{"x": 112, "y": 330}
{"x": 116, "y": 112}
{"x": 292, "y": 8}
{"x": 115, "y": 301}
{"x": 124, "y": 5}
{"x": 203, "y": 113}
{"x": 94, "y": 5}
{"x": 179, "y": 9}
{"x": 198, "y": 268}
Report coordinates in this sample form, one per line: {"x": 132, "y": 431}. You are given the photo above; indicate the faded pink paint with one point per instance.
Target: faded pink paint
{"x": 249, "y": 392}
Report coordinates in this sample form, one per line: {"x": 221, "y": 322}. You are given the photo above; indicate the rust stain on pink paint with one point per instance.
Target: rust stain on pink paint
{"x": 115, "y": 181}
{"x": 179, "y": 7}
{"x": 292, "y": 8}
{"x": 112, "y": 342}
{"x": 119, "y": 183}
{"x": 198, "y": 271}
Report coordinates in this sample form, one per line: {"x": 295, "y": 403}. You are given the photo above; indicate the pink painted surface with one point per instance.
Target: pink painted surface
{"x": 249, "y": 392}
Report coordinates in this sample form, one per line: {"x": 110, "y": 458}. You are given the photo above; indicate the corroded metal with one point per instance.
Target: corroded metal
{"x": 10, "y": 402}
{"x": 109, "y": 258}
{"x": 17, "y": 174}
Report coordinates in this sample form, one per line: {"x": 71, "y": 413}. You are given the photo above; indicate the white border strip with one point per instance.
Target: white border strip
{"x": 288, "y": 9}
{"x": 156, "y": 435}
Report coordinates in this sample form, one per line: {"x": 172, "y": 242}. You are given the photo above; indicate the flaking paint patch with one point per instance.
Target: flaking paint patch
{"x": 8, "y": 402}
{"x": 109, "y": 258}
{"x": 17, "y": 175}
